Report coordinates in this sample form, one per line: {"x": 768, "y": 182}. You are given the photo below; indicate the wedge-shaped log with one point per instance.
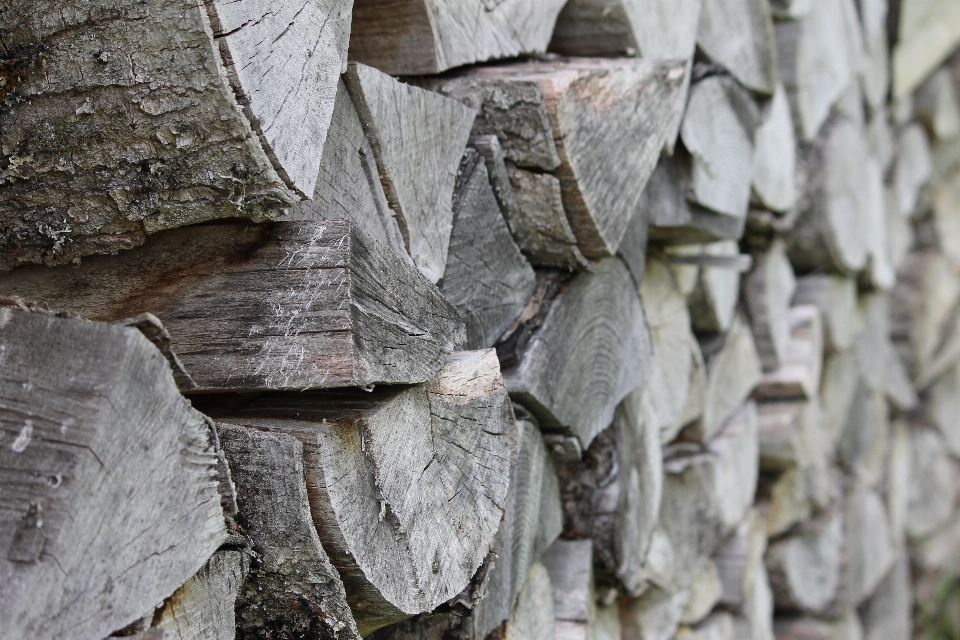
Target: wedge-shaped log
{"x": 569, "y": 563}
{"x": 913, "y": 167}
{"x": 487, "y": 278}
{"x": 705, "y": 592}
{"x": 798, "y": 375}
{"x": 775, "y": 156}
{"x": 591, "y": 351}
{"x": 285, "y": 305}
{"x": 927, "y": 33}
{"x": 413, "y": 37}
{"x": 167, "y": 128}
{"x": 888, "y": 614}
{"x": 293, "y": 586}
{"x": 751, "y": 54}
{"x": 656, "y": 614}
{"x": 710, "y": 278}
{"x": 937, "y": 106}
{"x": 533, "y": 617}
{"x": 836, "y": 298}
{"x": 768, "y": 290}
{"x": 733, "y": 371}
{"x": 869, "y": 551}
{"x": 863, "y": 444}
{"x": 418, "y": 139}
{"x": 805, "y": 567}
{"x": 875, "y": 65}
{"x": 946, "y": 217}
{"x": 934, "y": 480}
{"x": 406, "y": 486}
{"x": 597, "y": 124}
{"x": 829, "y": 235}
{"x": 110, "y": 499}
{"x": 743, "y": 576}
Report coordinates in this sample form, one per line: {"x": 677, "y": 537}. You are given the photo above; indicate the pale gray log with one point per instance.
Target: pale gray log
{"x": 293, "y": 587}
{"x": 799, "y": 373}
{"x": 944, "y": 408}
{"x": 591, "y": 351}
{"x": 788, "y": 503}
{"x": 533, "y": 616}
{"x": 486, "y": 278}
{"x": 705, "y": 592}
{"x": 203, "y": 608}
{"x": 287, "y": 305}
{"x": 429, "y": 36}
{"x": 533, "y": 207}
{"x": 873, "y": 344}
{"x": 946, "y": 218}
{"x": 888, "y": 615}
{"x": 418, "y": 138}
{"x": 633, "y": 246}
{"x": 900, "y": 232}
{"x": 928, "y": 32}
{"x": 881, "y": 271}
{"x": 864, "y": 441}
{"x": 841, "y": 380}
{"x": 110, "y": 499}
{"x": 751, "y": 54}
{"x": 869, "y": 552}
{"x": 937, "y": 106}
{"x": 836, "y": 297}
{"x": 933, "y": 484}
{"x": 875, "y": 70}
{"x": 655, "y": 615}
{"x": 805, "y": 567}
{"x": 913, "y": 167}
{"x": 714, "y": 294}
{"x": 829, "y": 234}
{"x": 721, "y": 145}
{"x": 899, "y": 476}
{"x": 745, "y": 586}
{"x": 407, "y": 486}
{"x": 775, "y": 156}
{"x": 768, "y": 290}
{"x": 880, "y": 139}
{"x": 569, "y": 564}
{"x": 732, "y": 374}
{"x": 348, "y": 183}
{"x": 167, "y": 126}
{"x": 606, "y": 118}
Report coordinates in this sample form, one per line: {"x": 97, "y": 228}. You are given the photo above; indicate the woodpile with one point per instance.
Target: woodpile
{"x": 536, "y": 319}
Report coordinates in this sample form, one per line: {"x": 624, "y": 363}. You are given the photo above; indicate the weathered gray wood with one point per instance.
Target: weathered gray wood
{"x": 869, "y": 553}
{"x": 934, "y": 481}
{"x": 937, "y": 106}
{"x": 943, "y": 407}
{"x": 293, "y": 588}
{"x": 203, "y": 608}
{"x": 533, "y": 615}
{"x": 888, "y": 615}
{"x": 633, "y": 246}
{"x": 591, "y": 351}
{"x": 655, "y": 615}
{"x": 418, "y": 138}
{"x": 112, "y": 84}
{"x": 913, "y": 167}
{"x": 788, "y": 503}
{"x": 775, "y": 156}
{"x": 798, "y": 375}
{"x": 286, "y": 305}
{"x": 713, "y": 295}
{"x": 898, "y": 480}
{"x": 880, "y": 139}
{"x": 410, "y": 37}
{"x": 733, "y": 371}
{"x": 863, "y": 443}
{"x": 900, "y": 232}
{"x": 598, "y": 124}
{"x": 406, "y": 486}
{"x": 881, "y": 272}
{"x": 805, "y": 567}
{"x": 946, "y": 218}
{"x": 486, "y": 278}
{"x": 718, "y": 132}
{"x": 927, "y": 33}
{"x": 719, "y": 626}
{"x": 840, "y": 384}
{"x": 569, "y": 563}
{"x": 836, "y": 297}
{"x": 829, "y": 234}
{"x": 705, "y": 592}
{"x": 875, "y": 65}
{"x": 348, "y": 183}
{"x": 767, "y": 291}
{"x": 745, "y": 587}
{"x": 751, "y": 54}
{"x": 110, "y": 499}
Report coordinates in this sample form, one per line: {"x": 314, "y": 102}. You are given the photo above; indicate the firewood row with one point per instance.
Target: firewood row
{"x": 530, "y": 320}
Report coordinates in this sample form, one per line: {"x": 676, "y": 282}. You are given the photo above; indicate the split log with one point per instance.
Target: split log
{"x": 850, "y": 105}
{"x": 416, "y": 37}
{"x": 418, "y": 138}
{"x": 836, "y": 297}
{"x": 937, "y": 106}
{"x": 792, "y": 436}
{"x": 913, "y": 167}
{"x": 927, "y": 33}
{"x": 533, "y": 207}
{"x": 888, "y": 615}
{"x": 880, "y": 139}
{"x": 676, "y": 356}
{"x": 655, "y": 615}
{"x": 293, "y": 588}
{"x": 840, "y": 385}
{"x": 934, "y": 557}
{"x": 733, "y": 371}
{"x": 348, "y": 184}
{"x": 767, "y": 291}
{"x": 933, "y": 486}
{"x": 786, "y": 502}
{"x": 719, "y": 626}
{"x": 203, "y": 608}
{"x": 818, "y": 61}
{"x": 944, "y": 408}
{"x": 805, "y": 567}
{"x": 875, "y": 66}
{"x": 715, "y": 271}
{"x": 864, "y": 441}
{"x": 869, "y": 552}
{"x": 718, "y": 129}
{"x": 881, "y": 273}
{"x": 798, "y": 375}
{"x": 248, "y": 142}
{"x": 900, "y": 232}
{"x": 898, "y": 480}
{"x": 569, "y": 563}
{"x": 533, "y": 617}
{"x": 591, "y": 351}
{"x": 946, "y": 218}
{"x": 111, "y": 497}
{"x": 829, "y": 233}
{"x": 775, "y": 157}
{"x": 297, "y": 305}
{"x": 743, "y": 576}
{"x": 598, "y": 124}
{"x": 705, "y": 592}
{"x": 613, "y": 496}
{"x": 607, "y": 625}
{"x": 803, "y": 628}
{"x": 421, "y": 477}
{"x": 633, "y": 246}
{"x": 674, "y": 219}
{"x": 751, "y": 55}
{"x": 486, "y": 278}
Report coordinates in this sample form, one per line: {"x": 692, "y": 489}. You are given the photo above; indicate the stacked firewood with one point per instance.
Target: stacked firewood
{"x": 535, "y": 319}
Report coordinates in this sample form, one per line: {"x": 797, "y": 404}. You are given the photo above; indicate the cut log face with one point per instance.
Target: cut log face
{"x": 298, "y": 305}
{"x": 913, "y": 167}
{"x": 591, "y": 351}
{"x": 533, "y": 615}
{"x": 415, "y": 37}
{"x": 719, "y": 626}
{"x": 946, "y": 218}
{"x": 656, "y": 614}
{"x": 768, "y": 290}
{"x": 751, "y": 56}
{"x": 928, "y": 32}
{"x": 605, "y": 123}
{"x": 715, "y": 269}
{"x": 829, "y": 234}
{"x": 418, "y": 139}
{"x": 789, "y": 503}
{"x": 732, "y": 374}
{"x": 246, "y": 143}
{"x": 863, "y": 444}
{"x": 836, "y": 298}
{"x": 798, "y": 375}
{"x": 899, "y": 478}
{"x": 775, "y": 157}
{"x": 933, "y": 483}
{"x": 111, "y": 497}
{"x": 569, "y": 563}
{"x": 875, "y": 68}
{"x": 721, "y": 145}
{"x": 944, "y": 408}
{"x": 869, "y": 552}
{"x": 790, "y": 9}
{"x": 406, "y": 486}
{"x": 705, "y": 591}
{"x": 293, "y": 586}
{"x": 805, "y": 567}
{"x": 745, "y": 586}
{"x": 937, "y": 106}
{"x": 348, "y": 184}
{"x": 881, "y": 272}
{"x": 486, "y": 278}
{"x": 888, "y": 614}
